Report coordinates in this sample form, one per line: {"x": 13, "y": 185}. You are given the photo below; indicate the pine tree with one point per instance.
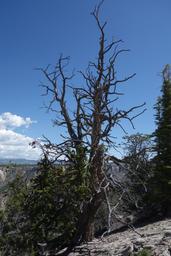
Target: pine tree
{"x": 41, "y": 214}
{"x": 162, "y": 175}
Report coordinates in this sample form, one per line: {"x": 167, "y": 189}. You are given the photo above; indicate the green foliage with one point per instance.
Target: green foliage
{"x": 162, "y": 177}
{"x": 45, "y": 210}
{"x": 12, "y": 216}
{"x": 143, "y": 252}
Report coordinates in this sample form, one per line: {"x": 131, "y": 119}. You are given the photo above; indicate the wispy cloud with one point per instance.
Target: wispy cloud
{"x": 14, "y": 144}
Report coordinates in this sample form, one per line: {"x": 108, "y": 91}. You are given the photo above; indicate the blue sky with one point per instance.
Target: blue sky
{"x": 34, "y": 33}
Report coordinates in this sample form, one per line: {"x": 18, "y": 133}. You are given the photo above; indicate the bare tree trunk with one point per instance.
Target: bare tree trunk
{"x": 89, "y": 126}
{"x": 89, "y": 231}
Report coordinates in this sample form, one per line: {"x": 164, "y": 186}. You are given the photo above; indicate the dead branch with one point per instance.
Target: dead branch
{"x": 92, "y": 122}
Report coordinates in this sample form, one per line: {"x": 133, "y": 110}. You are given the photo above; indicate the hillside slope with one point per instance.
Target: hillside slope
{"x": 155, "y": 237}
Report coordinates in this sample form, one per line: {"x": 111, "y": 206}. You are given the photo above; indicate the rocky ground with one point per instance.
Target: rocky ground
{"x": 155, "y": 237}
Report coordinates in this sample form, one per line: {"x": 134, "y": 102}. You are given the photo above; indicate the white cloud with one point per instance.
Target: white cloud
{"x": 14, "y": 144}
{"x": 9, "y": 120}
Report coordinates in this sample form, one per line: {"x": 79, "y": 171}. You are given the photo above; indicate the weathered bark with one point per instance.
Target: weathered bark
{"x": 89, "y": 231}
{"x": 84, "y": 223}
{"x": 91, "y": 124}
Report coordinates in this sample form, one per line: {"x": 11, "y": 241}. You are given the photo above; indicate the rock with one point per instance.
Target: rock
{"x": 167, "y": 233}
{"x": 127, "y": 251}
{"x": 2, "y": 176}
{"x": 149, "y": 247}
{"x": 155, "y": 237}
{"x": 139, "y": 241}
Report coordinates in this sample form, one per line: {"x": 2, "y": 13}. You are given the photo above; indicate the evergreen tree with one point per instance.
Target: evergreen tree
{"x": 12, "y": 218}
{"x": 42, "y": 213}
{"x": 162, "y": 176}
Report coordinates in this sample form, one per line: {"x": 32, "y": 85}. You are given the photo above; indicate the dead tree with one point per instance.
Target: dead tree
{"x": 93, "y": 120}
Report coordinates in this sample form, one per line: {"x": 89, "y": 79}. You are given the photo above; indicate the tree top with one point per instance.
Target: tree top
{"x": 167, "y": 72}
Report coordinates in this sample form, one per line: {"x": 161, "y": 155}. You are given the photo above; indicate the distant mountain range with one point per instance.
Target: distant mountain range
{"x": 17, "y": 161}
